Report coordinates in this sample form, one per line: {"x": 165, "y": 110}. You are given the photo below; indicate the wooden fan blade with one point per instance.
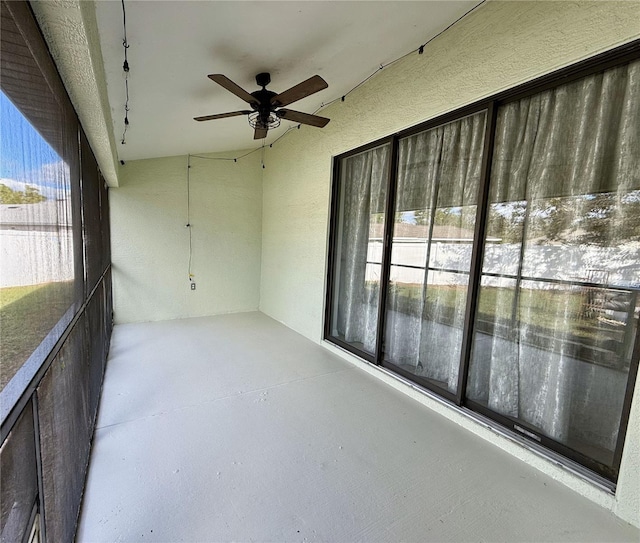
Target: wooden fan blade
{"x": 221, "y": 116}
{"x": 301, "y": 90}
{"x": 304, "y": 118}
{"x": 225, "y": 82}
{"x": 260, "y": 133}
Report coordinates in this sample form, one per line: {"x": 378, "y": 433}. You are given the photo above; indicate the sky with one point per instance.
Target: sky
{"x": 26, "y": 158}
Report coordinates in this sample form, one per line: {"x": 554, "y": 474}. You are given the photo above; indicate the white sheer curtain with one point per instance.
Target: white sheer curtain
{"x": 362, "y": 200}
{"x": 438, "y": 179}
{"x": 551, "y": 348}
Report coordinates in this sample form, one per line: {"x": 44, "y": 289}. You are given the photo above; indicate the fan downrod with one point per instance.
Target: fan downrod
{"x": 263, "y": 79}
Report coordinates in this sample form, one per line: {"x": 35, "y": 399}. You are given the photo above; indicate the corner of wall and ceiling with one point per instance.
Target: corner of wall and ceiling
{"x": 71, "y": 31}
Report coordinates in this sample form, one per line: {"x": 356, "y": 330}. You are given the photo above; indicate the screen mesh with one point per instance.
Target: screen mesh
{"x": 105, "y": 224}
{"x": 96, "y": 347}
{"x": 65, "y": 432}
{"x": 91, "y": 181}
{"x": 39, "y": 216}
{"x": 19, "y": 482}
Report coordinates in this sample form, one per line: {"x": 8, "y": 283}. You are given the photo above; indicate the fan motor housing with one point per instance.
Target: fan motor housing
{"x": 264, "y": 107}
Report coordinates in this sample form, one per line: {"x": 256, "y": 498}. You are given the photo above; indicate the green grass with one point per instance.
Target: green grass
{"x": 11, "y": 294}
{"x": 27, "y": 315}
{"x": 543, "y": 308}
{"x": 543, "y": 318}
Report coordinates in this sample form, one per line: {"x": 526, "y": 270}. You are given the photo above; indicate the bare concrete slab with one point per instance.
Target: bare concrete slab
{"x": 235, "y": 428}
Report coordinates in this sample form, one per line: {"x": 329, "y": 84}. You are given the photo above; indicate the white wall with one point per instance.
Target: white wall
{"x": 150, "y": 243}
{"x": 498, "y": 46}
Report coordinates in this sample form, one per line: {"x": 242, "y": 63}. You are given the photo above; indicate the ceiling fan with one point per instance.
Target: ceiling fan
{"x": 267, "y": 106}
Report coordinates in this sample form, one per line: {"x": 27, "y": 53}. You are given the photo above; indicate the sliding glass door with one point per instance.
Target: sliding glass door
{"x": 558, "y": 299}
{"x": 493, "y": 256}
{"x": 361, "y": 193}
{"x": 438, "y": 178}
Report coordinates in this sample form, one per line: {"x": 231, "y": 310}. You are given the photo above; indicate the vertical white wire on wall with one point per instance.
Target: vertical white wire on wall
{"x": 188, "y": 225}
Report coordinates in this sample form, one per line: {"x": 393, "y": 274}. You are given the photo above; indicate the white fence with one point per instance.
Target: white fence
{"x": 608, "y": 265}
{"x": 31, "y": 257}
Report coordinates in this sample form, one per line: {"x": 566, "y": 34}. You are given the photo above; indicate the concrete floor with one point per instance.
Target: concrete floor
{"x": 235, "y": 428}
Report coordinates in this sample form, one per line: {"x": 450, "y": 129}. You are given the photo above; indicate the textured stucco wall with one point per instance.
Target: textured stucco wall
{"x": 71, "y": 32}
{"x": 627, "y": 502}
{"x": 498, "y": 46}
{"x": 150, "y": 242}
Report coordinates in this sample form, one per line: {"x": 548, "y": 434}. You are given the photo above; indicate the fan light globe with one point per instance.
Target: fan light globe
{"x": 256, "y": 122}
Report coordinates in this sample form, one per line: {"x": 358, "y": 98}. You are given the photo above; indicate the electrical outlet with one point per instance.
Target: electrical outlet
{"x": 193, "y": 286}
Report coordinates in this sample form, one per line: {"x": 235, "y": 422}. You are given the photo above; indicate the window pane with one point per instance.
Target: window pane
{"x": 438, "y": 178}
{"x": 37, "y": 280}
{"x": 358, "y": 250}
{"x": 559, "y": 304}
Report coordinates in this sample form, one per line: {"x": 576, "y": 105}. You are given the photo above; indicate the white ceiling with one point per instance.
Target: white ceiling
{"x": 175, "y": 44}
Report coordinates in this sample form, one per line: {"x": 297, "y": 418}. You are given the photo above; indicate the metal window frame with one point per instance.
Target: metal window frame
{"x": 603, "y": 475}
